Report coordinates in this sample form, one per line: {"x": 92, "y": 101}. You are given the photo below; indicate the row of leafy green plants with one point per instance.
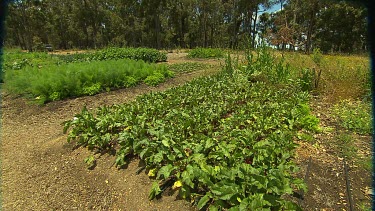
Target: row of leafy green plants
{"x": 53, "y": 82}
{"x": 145, "y": 54}
{"x": 16, "y": 60}
{"x": 224, "y": 141}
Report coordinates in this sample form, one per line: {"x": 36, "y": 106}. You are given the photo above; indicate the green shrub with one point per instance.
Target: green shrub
{"x": 206, "y": 53}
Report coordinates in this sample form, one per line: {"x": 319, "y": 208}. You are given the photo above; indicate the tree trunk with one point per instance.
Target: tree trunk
{"x": 157, "y": 30}
{"x": 311, "y": 27}
{"x": 254, "y": 28}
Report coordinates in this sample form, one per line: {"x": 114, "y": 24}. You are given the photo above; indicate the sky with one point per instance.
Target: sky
{"x": 274, "y": 8}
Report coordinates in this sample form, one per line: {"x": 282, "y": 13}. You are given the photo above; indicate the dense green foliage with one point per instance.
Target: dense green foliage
{"x": 224, "y": 141}
{"x": 206, "y": 53}
{"x": 57, "y": 82}
{"x": 306, "y": 24}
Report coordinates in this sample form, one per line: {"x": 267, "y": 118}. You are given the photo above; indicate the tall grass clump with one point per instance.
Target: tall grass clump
{"x": 78, "y": 79}
{"x": 261, "y": 65}
{"x": 206, "y": 53}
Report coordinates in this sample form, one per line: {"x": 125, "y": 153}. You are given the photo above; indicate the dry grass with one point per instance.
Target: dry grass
{"x": 343, "y": 77}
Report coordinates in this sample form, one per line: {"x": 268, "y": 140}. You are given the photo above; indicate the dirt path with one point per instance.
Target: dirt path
{"x": 41, "y": 171}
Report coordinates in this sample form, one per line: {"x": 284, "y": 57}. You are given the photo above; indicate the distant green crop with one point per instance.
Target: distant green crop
{"x": 145, "y": 54}
{"x": 16, "y": 60}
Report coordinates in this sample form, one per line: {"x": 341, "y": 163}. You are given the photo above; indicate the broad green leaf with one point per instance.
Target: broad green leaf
{"x": 165, "y": 171}
{"x": 203, "y": 201}
{"x": 165, "y": 142}
{"x": 155, "y": 190}
{"x": 186, "y": 178}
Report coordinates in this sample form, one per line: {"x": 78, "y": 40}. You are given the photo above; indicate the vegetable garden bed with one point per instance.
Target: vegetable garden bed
{"x": 222, "y": 142}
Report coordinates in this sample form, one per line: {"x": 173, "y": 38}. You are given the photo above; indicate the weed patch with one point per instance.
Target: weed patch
{"x": 354, "y": 116}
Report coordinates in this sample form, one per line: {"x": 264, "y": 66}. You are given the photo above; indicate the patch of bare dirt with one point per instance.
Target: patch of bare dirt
{"x": 326, "y": 177}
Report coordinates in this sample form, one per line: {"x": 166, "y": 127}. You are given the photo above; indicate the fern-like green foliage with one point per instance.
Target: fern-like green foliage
{"x": 58, "y": 82}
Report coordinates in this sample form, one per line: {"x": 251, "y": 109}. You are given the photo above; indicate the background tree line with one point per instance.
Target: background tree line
{"x": 300, "y": 24}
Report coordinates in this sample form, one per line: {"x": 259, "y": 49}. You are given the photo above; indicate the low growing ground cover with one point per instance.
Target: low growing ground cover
{"x": 56, "y": 82}
{"x": 223, "y": 142}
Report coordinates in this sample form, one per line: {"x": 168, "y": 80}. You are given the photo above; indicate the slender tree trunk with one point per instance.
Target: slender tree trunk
{"x": 26, "y": 26}
{"x": 311, "y": 27}
{"x": 254, "y": 28}
{"x": 157, "y": 30}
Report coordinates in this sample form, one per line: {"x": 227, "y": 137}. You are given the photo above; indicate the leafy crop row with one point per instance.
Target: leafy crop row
{"x": 16, "y": 60}
{"x": 206, "y": 53}
{"x": 145, "y": 54}
{"x": 71, "y": 80}
{"x": 224, "y": 142}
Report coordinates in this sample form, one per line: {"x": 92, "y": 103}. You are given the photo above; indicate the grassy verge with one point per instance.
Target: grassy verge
{"x": 341, "y": 77}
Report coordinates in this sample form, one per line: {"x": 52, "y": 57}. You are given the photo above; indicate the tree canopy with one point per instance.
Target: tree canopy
{"x": 332, "y": 26}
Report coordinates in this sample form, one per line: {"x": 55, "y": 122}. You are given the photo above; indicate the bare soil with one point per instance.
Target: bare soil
{"x": 41, "y": 171}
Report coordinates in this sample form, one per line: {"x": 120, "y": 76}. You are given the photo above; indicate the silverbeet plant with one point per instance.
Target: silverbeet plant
{"x": 223, "y": 142}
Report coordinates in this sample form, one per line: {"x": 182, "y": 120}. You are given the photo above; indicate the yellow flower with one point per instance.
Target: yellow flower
{"x": 177, "y": 184}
